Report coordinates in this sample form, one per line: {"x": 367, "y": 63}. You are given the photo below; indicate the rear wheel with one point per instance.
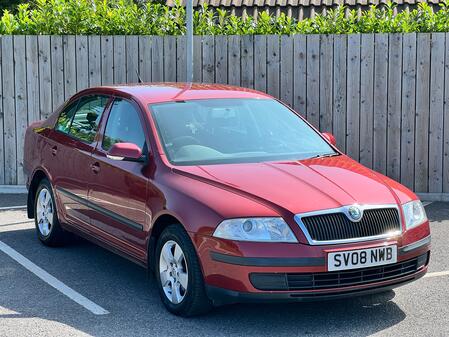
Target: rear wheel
{"x": 178, "y": 274}
{"x": 48, "y": 229}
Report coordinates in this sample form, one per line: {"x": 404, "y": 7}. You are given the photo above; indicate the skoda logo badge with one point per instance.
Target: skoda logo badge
{"x": 355, "y": 213}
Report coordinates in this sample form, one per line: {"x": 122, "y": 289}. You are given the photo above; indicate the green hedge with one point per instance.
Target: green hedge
{"x": 109, "y": 17}
{"x": 9, "y": 4}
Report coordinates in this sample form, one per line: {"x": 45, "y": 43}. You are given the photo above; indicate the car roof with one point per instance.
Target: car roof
{"x": 149, "y": 93}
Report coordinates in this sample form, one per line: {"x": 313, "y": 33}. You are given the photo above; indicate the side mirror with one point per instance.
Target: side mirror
{"x": 125, "y": 151}
{"x": 330, "y": 138}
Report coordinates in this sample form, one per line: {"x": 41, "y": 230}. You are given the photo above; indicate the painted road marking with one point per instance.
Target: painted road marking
{"x": 52, "y": 281}
{"x": 437, "y": 273}
{"x": 8, "y": 208}
{"x": 17, "y": 223}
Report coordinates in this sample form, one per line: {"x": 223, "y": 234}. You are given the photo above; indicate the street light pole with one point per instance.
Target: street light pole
{"x": 189, "y": 32}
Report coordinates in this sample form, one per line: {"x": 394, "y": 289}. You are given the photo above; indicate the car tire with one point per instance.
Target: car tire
{"x": 182, "y": 295}
{"x": 48, "y": 228}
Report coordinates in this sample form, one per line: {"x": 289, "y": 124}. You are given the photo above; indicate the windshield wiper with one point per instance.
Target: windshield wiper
{"x": 325, "y": 155}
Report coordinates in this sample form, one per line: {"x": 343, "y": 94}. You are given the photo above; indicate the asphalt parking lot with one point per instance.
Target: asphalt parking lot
{"x": 31, "y": 307}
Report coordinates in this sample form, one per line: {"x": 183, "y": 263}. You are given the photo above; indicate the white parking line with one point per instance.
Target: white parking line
{"x": 437, "y": 273}
{"x": 8, "y": 208}
{"x": 52, "y": 281}
{"x": 17, "y": 223}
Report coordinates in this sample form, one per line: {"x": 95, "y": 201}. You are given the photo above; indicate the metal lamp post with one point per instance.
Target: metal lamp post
{"x": 189, "y": 32}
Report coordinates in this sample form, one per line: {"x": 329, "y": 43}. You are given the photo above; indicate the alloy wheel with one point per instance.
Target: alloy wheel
{"x": 173, "y": 272}
{"x": 44, "y": 212}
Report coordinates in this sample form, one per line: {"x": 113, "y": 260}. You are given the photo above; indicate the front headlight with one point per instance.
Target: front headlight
{"x": 255, "y": 229}
{"x": 414, "y": 214}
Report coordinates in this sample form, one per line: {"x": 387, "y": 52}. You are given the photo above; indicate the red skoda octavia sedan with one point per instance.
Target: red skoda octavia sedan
{"x": 224, "y": 193}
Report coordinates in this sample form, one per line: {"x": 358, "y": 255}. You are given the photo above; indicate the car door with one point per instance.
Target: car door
{"x": 69, "y": 161}
{"x": 118, "y": 190}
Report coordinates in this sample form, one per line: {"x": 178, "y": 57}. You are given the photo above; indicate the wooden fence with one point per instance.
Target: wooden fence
{"x": 384, "y": 96}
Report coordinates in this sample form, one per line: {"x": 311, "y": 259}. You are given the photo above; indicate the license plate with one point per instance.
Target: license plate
{"x": 362, "y": 258}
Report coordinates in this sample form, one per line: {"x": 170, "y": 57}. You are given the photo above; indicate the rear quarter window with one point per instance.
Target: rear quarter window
{"x": 65, "y": 118}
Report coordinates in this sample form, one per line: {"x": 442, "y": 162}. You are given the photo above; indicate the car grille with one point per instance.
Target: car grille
{"x": 337, "y": 226}
{"x": 336, "y": 279}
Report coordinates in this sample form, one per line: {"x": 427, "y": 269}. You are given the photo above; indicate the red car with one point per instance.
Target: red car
{"x": 226, "y": 194}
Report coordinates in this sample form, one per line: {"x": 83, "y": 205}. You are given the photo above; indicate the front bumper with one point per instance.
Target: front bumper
{"x": 221, "y": 296}
{"x": 228, "y": 268}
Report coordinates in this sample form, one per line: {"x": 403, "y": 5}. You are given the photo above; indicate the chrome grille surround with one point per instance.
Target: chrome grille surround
{"x": 345, "y": 210}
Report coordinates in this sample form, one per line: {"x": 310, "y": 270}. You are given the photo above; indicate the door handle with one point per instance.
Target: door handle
{"x": 95, "y": 167}
{"x": 54, "y": 150}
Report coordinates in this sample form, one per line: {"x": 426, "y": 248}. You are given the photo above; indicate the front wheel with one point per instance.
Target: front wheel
{"x": 48, "y": 229}
{"x": 178, "y": 274}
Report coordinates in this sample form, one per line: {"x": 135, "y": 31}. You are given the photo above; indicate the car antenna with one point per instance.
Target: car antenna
{"x": 138, "y": 77}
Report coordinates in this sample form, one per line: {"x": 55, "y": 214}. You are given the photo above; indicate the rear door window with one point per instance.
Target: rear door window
{"x": 86, "y": 120}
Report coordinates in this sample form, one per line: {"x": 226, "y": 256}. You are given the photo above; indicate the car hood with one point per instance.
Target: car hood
{"x": 300, "y": 186}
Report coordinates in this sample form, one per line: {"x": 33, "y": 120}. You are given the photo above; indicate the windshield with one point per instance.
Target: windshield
{"x": 218, "y": 131}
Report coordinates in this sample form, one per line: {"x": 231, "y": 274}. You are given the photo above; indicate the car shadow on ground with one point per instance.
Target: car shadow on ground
{"x": 125, "y": 290}
{"x": 438, "y": 211}
{"x": 13, "y": 200}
